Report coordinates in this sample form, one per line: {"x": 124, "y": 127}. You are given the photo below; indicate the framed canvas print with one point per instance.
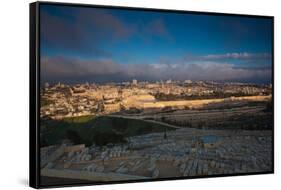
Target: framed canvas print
{"x": 121, "y": 94}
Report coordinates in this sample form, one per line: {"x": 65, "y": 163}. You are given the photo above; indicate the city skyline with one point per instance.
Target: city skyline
{"x": 111, "y": 45}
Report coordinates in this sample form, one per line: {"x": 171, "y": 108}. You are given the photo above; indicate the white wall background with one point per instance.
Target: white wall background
{"x": 14, "y": 60}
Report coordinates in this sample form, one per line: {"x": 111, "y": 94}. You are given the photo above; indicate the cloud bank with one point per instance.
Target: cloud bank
{"x": 232, "y": 56}
{"x": 87, "y": 30}
{"x": 73, "y": 70}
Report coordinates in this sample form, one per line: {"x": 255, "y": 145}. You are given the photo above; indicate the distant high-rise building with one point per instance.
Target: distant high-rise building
{"x": 188, "y": 81}
{"x": 58, "y": 84}
{"x": 169, "y": 81}
{"x": 47, "y": 85}
{"x": 135, "y": 82}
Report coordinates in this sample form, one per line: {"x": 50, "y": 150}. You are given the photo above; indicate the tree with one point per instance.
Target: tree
{"x": 73, "y": 136}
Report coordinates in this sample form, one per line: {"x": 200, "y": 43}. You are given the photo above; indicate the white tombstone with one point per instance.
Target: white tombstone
{"x": 151, "y": 167}
{"x": 155, "y": 173}
{"x": 100, "y": 169}
{"x": 70, "y": 154}
{"x": 182, "y": 167}
{"x": 50, "y": 165}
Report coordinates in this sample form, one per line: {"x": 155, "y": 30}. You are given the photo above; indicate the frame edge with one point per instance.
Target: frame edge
{"x": 33, "y": 130}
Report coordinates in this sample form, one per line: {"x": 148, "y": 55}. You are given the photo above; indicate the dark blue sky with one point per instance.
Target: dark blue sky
{"x": 81, "y": 44}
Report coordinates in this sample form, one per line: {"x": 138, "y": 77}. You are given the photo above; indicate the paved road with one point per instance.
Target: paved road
{"x": 232, "y": 111}
{"x": 141, "y": 119}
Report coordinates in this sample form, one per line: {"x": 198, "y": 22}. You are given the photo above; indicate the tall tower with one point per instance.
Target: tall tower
{"x": 135, "y": 82}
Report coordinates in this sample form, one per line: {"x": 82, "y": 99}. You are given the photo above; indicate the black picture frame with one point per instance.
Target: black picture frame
{"x": 34, "y": 92}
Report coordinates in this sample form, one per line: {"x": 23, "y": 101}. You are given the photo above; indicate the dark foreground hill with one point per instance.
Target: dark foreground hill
{"x": 100, "y": 130}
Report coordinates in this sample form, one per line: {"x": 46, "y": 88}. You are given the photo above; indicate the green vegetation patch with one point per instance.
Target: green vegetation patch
{"x": 101, "y": 130}
{"x": 79, "y": 119}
